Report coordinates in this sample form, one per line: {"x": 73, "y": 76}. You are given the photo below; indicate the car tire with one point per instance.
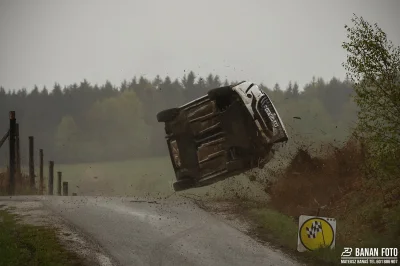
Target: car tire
{"x": 184, "y": 184}
{"x": 182, "y": 174}
{"x": 167, "y": 115}
{"x": 220, "y": 92}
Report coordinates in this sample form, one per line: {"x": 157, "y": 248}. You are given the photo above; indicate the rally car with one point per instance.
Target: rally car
{"x": 229, "y": 131}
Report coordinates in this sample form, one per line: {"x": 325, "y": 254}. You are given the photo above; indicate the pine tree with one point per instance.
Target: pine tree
{"x": 289, "y": 91}
{"x": 296, "y": 91}
{"x": 217, "y": 81}
{"x": 188, "y": 83}
{"x": 124, "y": 86}
{"x": 277, "y": 88}
{"x": 133, "y": 85}
{"x": 157, "y": 81}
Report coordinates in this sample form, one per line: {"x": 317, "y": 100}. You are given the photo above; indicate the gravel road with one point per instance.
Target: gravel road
{"x": 168, "y": 232}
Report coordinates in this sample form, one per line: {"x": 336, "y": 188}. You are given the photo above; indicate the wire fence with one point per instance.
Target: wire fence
{"x": 17, "y": 181}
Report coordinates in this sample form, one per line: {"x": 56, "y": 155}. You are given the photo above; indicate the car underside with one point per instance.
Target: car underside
{"x": 212, "y": 138}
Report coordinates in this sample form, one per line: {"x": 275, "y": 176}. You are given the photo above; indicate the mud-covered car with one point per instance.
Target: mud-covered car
{"x": 229, "y": 131}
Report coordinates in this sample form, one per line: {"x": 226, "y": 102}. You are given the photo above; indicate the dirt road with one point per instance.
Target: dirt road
{"x": 168, "y": 232}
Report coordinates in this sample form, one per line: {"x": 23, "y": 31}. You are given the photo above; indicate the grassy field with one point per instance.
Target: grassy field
{"x": 132, "y": 177}
{"x": 142, "y": 177}
{"x": 27, "y": 245}
{"x": 129, "y": 177}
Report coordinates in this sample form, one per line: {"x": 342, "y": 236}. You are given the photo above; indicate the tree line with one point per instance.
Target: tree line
{"x": 86, "y": 122}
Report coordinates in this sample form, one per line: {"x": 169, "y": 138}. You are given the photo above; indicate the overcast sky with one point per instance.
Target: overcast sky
{"x": 48, "y": 41}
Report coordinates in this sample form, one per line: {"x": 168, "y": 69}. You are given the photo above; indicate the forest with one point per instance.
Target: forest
{"x": 86, "y": 122}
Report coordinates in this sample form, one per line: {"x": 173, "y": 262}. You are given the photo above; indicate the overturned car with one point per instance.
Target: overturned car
{"x": 229, "y": 131}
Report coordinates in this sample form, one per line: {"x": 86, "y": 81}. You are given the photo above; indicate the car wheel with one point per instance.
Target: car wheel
{"x": 167, "y": 115}
{"x": 182, "y": 174}
{"x": 220, "y": 92}
{"x": 184, "y": 184}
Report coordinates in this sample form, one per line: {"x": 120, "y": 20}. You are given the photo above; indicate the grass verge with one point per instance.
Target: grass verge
{"x": 280, "y": 231}
{"x": 28, "y": 245}
{"x": 22, "y": 184}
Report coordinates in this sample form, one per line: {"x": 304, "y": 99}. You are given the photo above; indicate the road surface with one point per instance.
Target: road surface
{"x": 168, "y": 232}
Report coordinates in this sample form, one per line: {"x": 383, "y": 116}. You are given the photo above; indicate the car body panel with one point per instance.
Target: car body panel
{"x": 260, "y": 105}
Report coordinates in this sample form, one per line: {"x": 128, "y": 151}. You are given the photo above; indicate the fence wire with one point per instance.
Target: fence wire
{"x": 4, "y": 138}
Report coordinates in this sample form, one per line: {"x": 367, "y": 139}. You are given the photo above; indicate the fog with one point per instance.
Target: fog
{"x": 48, "y": 41}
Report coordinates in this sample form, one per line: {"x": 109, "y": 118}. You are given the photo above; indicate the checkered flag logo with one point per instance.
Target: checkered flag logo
{"x": 316, "y": 227}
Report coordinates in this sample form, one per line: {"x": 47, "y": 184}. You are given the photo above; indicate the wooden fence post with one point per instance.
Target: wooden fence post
{"x": 41, "y": 185}
{"x": 65, "y": 188}
{"x": 51, "y": 178}
{"x": 31, "y": 163}
{"x": 17, "y": 152}
{"x": 59, "y": 183}
{"x": 11, "y": 139}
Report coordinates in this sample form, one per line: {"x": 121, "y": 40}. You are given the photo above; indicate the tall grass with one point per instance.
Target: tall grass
{"x": 22, "y": 184}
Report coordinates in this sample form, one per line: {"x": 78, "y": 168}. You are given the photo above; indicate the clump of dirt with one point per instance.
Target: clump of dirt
{"x": 309, "y": 183}
{"x": 303, "y": 162}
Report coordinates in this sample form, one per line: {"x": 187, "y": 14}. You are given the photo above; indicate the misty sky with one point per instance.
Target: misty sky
{"x": 43, "y": 42}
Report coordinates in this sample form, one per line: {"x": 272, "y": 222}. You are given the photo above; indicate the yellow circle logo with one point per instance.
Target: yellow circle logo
{"x": 316, "y": 233}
